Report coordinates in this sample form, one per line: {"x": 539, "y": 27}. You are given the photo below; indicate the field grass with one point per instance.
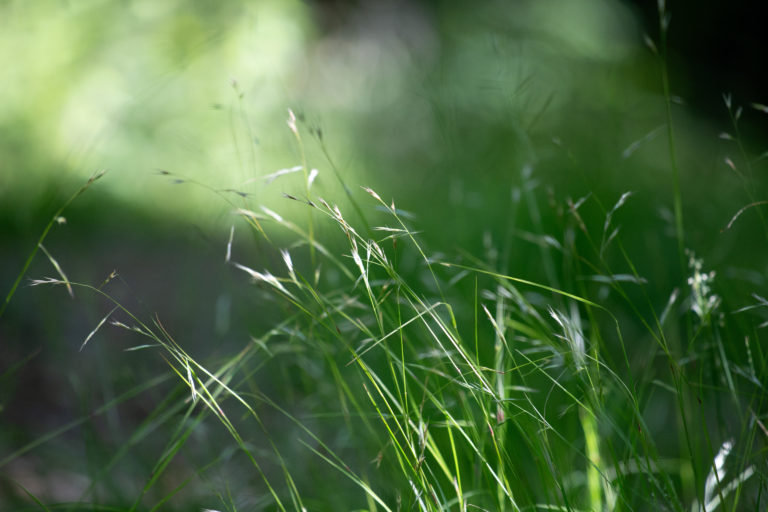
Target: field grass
{"x": 414, "y": 380}
{"x": 578, "y": 357}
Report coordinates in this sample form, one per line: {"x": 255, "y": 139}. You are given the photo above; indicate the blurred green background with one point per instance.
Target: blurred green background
{"x": 456, "y": 112}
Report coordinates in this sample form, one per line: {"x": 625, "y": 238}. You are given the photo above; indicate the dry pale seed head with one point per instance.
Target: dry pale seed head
{"x": 572, "y": 333}
{"x": 292, "y": 122}
{"x": 272, "y": 214}
{"x": 356, "y": 257}
{"x": 392, "y": 230}
{"x": 118, "y": 323}
{"x": 191, "y": 382}
{"x": 374, "y": 194}
{"x": 287, "y": 259}
{"x": 289, "y": 263}
{"x": 269, "y": 178}
{"x": 96, "y": 176}
{"x": 45, "y": 280}
{"x": 265, "y": 277}
{"x": 59, "y": 270}
{"x": 312, "y": 175}
{"x": 727, "y": 100}
{"x": 254, "y": 274}
{"x": 229, "y": 244}
{"x": 249, "y": 213}
{"x": 379, "y": 252}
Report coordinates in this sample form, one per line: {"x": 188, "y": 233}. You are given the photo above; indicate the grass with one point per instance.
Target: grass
{"x": 466, "y": 388}
{"x": 394, "y": 377}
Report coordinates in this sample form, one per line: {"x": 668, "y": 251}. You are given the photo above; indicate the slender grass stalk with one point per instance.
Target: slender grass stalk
{"x": 307, "y": 183}
{"x": 664, "y": 19}
{"x": 54, "y": 219}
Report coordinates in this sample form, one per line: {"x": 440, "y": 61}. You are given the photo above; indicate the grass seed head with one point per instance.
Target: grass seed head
{"x": 704, "y": 302}
{"x": 292, "y": 122}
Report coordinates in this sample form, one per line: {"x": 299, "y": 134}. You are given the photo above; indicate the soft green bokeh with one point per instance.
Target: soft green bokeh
{"x": 137, "y": 86}
{"x": 202, "y": 89}
{"x": 451, "y": 111}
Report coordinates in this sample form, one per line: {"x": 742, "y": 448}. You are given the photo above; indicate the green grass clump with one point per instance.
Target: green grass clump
{"x": 396, "y": 378}
{"x": 557, "y": 366}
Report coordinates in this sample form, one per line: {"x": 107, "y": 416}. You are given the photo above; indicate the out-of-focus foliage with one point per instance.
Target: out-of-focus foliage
{"x": 138, "y": 86}
{"x": 448, "y": 101}
{"x": 202, "y": 88}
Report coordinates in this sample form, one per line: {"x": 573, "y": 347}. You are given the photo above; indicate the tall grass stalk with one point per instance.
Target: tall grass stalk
{"x": 664, "y": 21}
